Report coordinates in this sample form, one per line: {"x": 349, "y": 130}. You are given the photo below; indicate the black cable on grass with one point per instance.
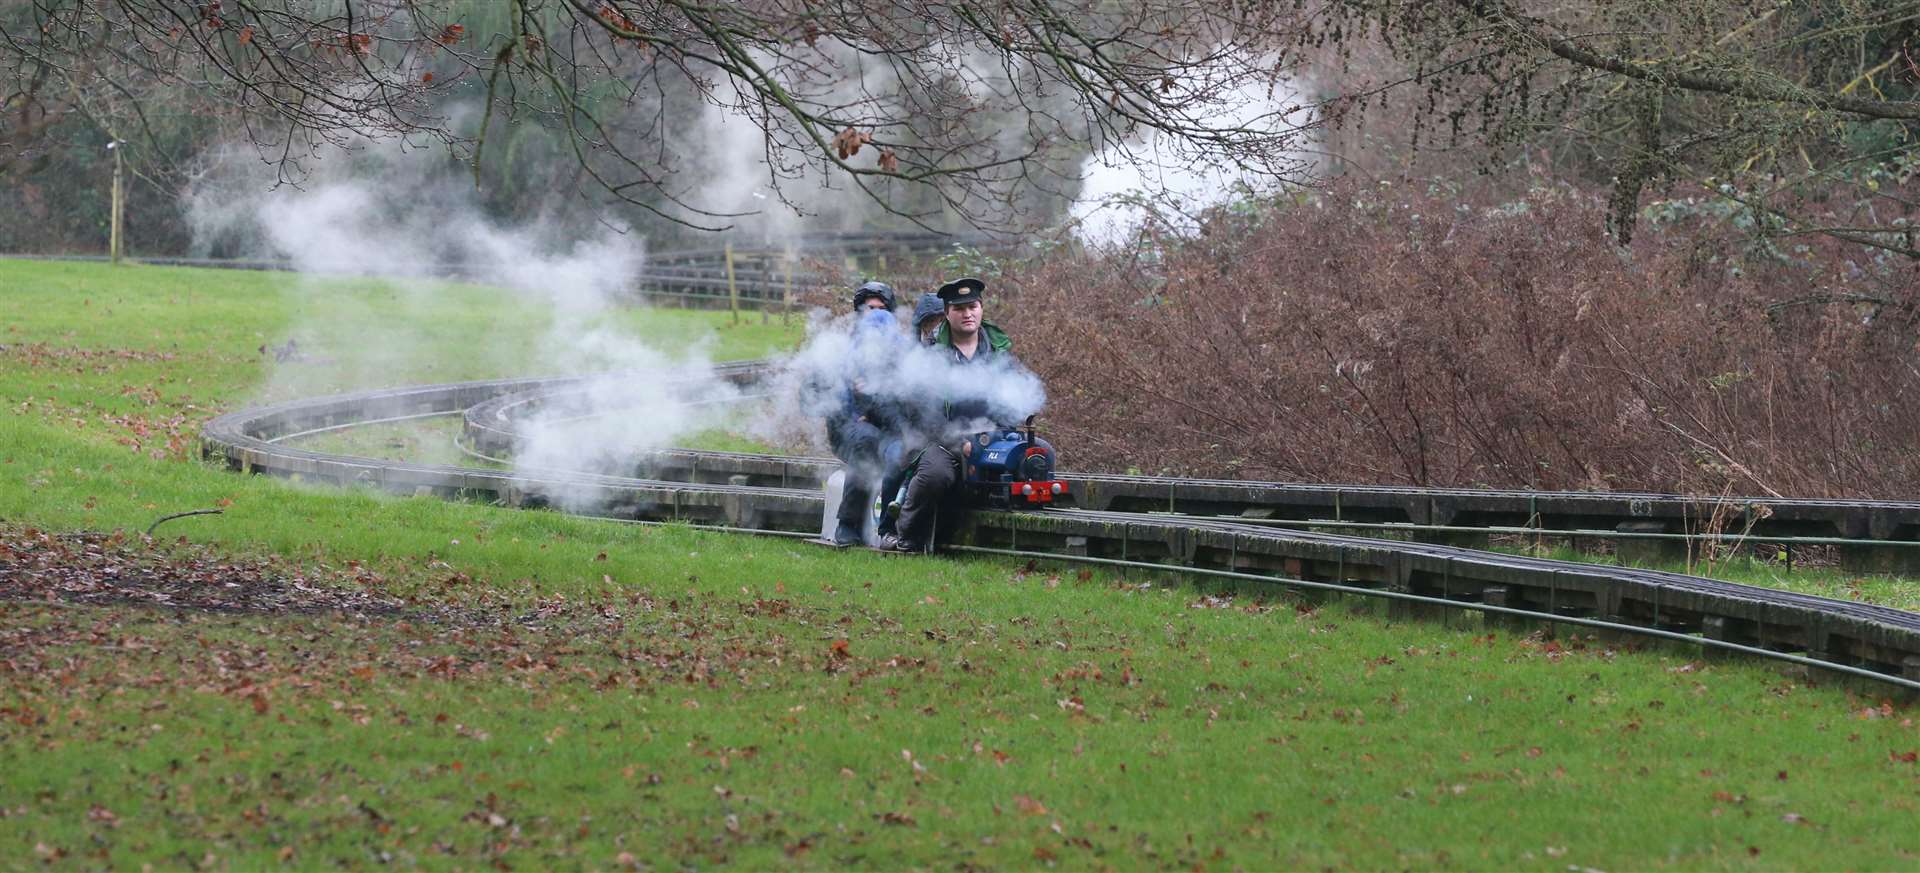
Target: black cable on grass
{"x": 166, "y": 518}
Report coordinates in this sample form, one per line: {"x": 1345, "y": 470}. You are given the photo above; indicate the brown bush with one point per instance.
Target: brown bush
{"x": 1412, "y": 339}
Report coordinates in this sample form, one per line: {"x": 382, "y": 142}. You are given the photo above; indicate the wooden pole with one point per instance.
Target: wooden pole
{"x": 119, "y": 203}
{"x": 786, "y": 310}
{"x": 733, "y": 289}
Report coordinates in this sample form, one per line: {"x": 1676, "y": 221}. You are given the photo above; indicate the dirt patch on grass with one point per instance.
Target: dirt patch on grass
{"x": 113, "y": 569}
{"x": 41, "y": 355}
{"x": 119, "y": 570}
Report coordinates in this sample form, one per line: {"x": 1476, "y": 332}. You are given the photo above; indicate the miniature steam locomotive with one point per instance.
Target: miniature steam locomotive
{"x": 1011, "y": 468}
{"x": 1005, "y": 468}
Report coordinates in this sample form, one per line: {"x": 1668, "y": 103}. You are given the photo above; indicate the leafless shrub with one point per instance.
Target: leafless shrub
{"x": 1368, "y": 336}
{"x": 1710, "y": 522}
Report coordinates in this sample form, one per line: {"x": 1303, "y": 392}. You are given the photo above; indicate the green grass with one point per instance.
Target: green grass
{"x": 728, "y": 440}
{"x": 565, "y": 692}
{"x": 978, "y": 714}
{"x": 350, "y": 333}
{"x": 432, "y": 441}
{"x": 421, "y": 441}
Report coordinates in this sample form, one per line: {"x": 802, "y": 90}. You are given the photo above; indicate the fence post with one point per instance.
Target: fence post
{"x": 786, "y": 309}
{"x": 119, "y": 205}
{"x": 733, "y": 289}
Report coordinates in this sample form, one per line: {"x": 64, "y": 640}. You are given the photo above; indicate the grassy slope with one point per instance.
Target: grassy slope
{"x": 684, "y": 700}
{"x": 431, "y": 441}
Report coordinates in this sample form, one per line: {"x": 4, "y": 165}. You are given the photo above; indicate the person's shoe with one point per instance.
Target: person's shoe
{"x": 846, "y": 535}
{"x": 894, "y": 543}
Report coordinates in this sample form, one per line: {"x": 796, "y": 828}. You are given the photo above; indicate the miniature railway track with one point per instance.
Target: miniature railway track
{"x": 1876, "y": 533}
{"x": 1202, "y": 526}
{"x": 1223, "y": 528}
{"x": 767, "y": 494}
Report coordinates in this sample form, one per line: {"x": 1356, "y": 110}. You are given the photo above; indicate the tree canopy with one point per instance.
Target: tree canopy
{"x": 1800, "y": 113}
{"x": 963, "y": 104}
{"x": 1792, "y": 118}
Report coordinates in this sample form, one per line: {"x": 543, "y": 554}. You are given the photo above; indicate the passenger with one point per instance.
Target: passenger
{"x": 874, "y": 295}
{"x": 967, "y": 340}
{"x": 861, "y": 432}
{"x": 928, "y": 315}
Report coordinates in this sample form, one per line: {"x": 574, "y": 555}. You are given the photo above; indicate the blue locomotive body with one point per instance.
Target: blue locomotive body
{"x": 1007, "y": 468}
{"x": 1010, "y": 467}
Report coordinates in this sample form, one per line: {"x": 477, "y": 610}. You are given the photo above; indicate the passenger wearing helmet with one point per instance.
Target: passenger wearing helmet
{"x": 874, "y": 295}
{"x": 862, "y": 432}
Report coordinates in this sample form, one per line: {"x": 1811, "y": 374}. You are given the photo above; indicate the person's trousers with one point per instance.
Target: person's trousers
{"x": 934, "y": 479}
{"x": 858, "y": 445}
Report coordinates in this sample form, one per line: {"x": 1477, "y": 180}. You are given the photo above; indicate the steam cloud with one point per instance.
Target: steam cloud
{"x": 392, "y": 216}
{"x": 1126, "y": 183}
{"x": 395, "y": 218}
{"x": 912, "y": 384}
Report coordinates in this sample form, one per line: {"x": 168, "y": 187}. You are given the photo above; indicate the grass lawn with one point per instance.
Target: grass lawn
{"x": 323, "y": 677}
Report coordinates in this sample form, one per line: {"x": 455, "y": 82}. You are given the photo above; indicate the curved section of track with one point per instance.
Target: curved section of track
{"x": 778, "y": 495}
{"x": 493, "y": 429}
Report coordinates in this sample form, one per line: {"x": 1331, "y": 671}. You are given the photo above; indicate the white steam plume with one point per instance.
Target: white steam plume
{"x": 392, "y": 216}
{"x": 1126, "y": 183}
{"x": 912, "y": 387}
